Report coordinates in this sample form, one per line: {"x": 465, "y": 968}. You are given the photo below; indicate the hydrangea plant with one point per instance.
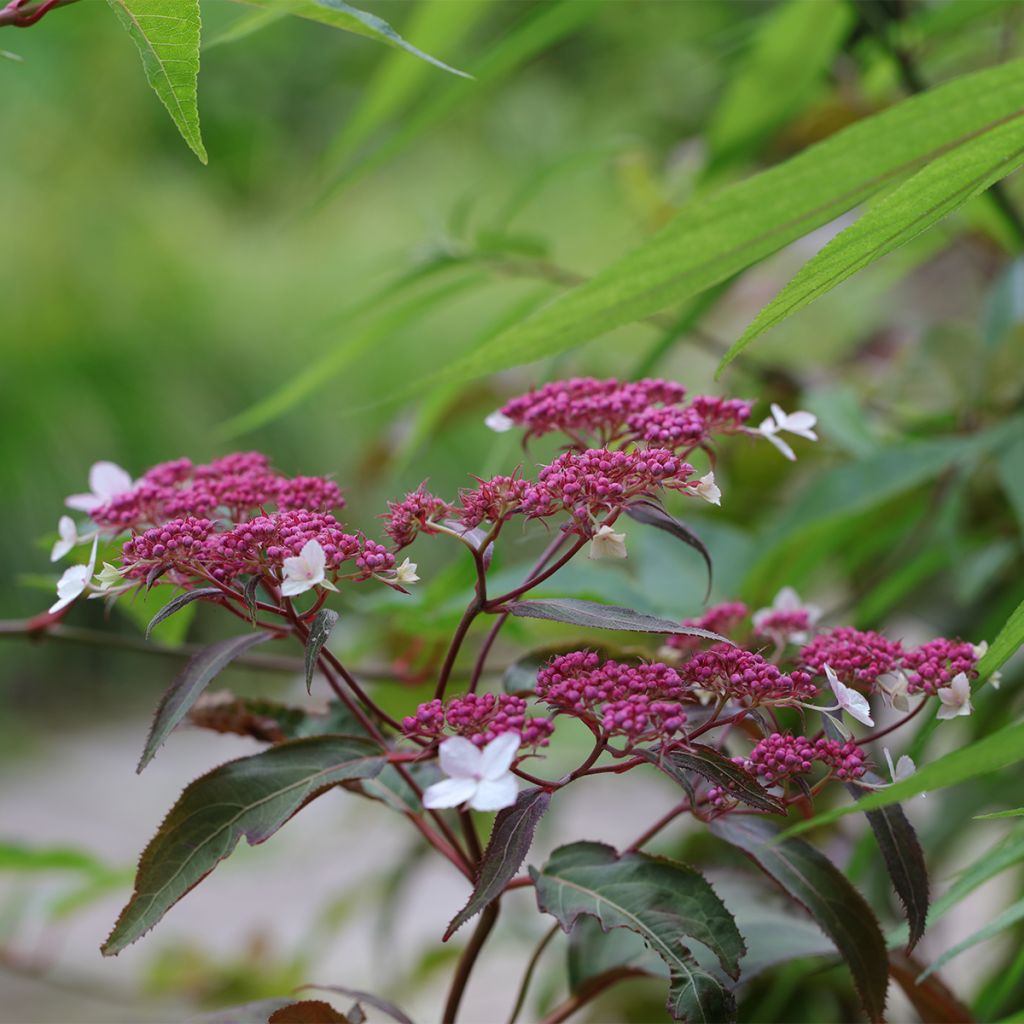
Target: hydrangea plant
{"x": 752, "y": 714}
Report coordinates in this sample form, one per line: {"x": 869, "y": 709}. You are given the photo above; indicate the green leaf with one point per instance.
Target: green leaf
{"x": 651, "y": 513}
{"x": 31, "y": 859}
{"x": 325, "y": 621}
{"x": 167, "y": 35}
{"x": 1005, "y": 645}
{"x": 998, "y": 750}
{"x": 1017, "y": 812}
{"x": 247, "y": 25}
{"x": 189, "y": 684}
{"x": 509, "y": 844}
{"x": 178, "y": 603}
{"x": 603, "y": 616}
{"x": 816, "y": 883}
{"x": 939, "y": 188}
{"x": 717, "y": 768}
{"x": 714, "y": 237}
{"x": 251, "y": 798}
{"x": 339, "y": 14}
{"x": 1009, "y": 917}
{"x": 792, "y": 50}
{"x": 661, "y": 901}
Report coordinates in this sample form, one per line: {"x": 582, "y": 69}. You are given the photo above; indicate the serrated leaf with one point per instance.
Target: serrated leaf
{"x": 270, "y": 721}
{"x": 816, "y": 883}
{"x": 717, "y": 768}
{"x": 662, "y": 901}
{"x": 652, "y": 514}
{"x": 178, "y": 603}
{"x": 189, "y": 684}
{"x": 939, "y": 188}
{"x": 326, "y": 619}
{"x": 714, "y": 237}
{"x": 997, "y": 750}
{"x": 339, "y": 14}
{"x": 167, "y": 35}
{"x": 249, "y": 798}
{"x": 509, "y": 844}
{"x": 578, "y": 612}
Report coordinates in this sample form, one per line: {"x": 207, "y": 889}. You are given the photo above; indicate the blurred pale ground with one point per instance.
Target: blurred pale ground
{"x": 146, "y": 300}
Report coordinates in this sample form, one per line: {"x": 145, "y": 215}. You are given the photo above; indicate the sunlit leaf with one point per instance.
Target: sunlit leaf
{"x": 167, "y": 35}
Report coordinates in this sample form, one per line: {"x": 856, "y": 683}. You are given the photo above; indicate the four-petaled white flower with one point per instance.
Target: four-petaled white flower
{"x": 787, "y": 601}
{"x": 499, "y": 422}
{"x": 606, "y": 543}
{"x": 896, "y": 689}
{"x": 849, "y": 700}
{"x": 74, "y": 581}
{"x": 799, "y": 423}
{"x": 903, "y": 768}
{"x": 406, "y": 572}
{"x": 106, "y": 480}
{"x": 480, "y": 778}
{"x": 956, "y": 698}
{"x": 68, "y": 538}
{"x": 708, "y": 489}
{"x": 305, "y": 570}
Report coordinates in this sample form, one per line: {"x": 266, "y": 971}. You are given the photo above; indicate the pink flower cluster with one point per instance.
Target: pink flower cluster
{"x": 781, "y": 756}
{"x": 479, "y": 718}
{"x": 648, "y": 411}
{"x": 935, "y": 663}
{"x": 737, "y": 674}
{"x": 855, "y": 656}
{"x": 492, "y": 501}
{"x": 637, "y": 701}
{"x": 236, "y": 487}
{"x": 596, "y": 483}
{"x": 418, "y": 512}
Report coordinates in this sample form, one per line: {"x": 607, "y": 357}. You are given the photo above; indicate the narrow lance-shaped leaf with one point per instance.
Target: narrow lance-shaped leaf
{"x": 662, "y": 901}
{"x": 1005, "y": 645}
{"x": 325, "y": 621}
{"x": 998, "y": 750}
{"x": 341, "y": 15}
{"x": 509, "y": 844}
{"x": 1009, "y": 917}
{"x": 167, "y": 35}
{"x": 604, "y": 616}
{"x": 814, "y": 881}
{"x": 178, "y": 603}
{"x": 938, "y": 189}
{"x": 189, "y": 684}
{"x": 251, "y": 798}
{"x": 714, "y": 237}
{"x": 717, "y": 768}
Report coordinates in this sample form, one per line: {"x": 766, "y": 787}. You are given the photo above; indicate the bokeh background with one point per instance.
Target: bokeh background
{"x": 364, "y": 220}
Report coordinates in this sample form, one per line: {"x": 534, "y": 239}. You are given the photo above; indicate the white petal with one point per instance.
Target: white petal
{"x": 499, "y": 422}
{"x": 787, "y": 600}
{"x": 709, "y": 490}
{"x": 91, "y": 568}
{"x": 449, "y": 793}
{"x": 856, "y": 706}
{"x": 68, "y": 538}
{"x": 905, "y": 767}
{"x": 293, "y": 587}
{"x": 498, "y": 755}
{"x": 71, "y": 585}
{"x": 980, "y": 650}
{"x": 760, "y": 615}
{"x": 460, "y": 758}
{"x": 107, "y": 480}
{"x": 780, "y": 415}
{"x": 606, "y": 543}
{"x": 768, "y": 426}
{"x": 802, "y": 423}
{"x": 84, "y": 502}
{"x": 315, "y": 556}
{"x": 781, "y": 445}
{"x": 494, "y": 794}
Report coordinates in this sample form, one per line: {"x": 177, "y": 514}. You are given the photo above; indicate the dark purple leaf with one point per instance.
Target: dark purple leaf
{"x": 325, "y": 621}
{"x": 178, "y": 603}
{"x": 604, "y": 616}
{"x": 651, "y": 513}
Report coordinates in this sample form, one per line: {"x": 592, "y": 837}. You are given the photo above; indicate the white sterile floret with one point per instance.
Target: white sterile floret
{"x": 708, "y": 489}
{"x": 406, "y": 572}
{"x": 106, "y": 481}
{"x": 499, "y": 422}
{"x": 895, "y": 688}
{"x": 74, "y": 581}
{"x": 955, "y": 698}
{"x": 68, "y": 538}
{"x": 109, "y": 576}
{"x": 305, "y": 570}
{"x": 787, "y": 602}
{"x": 606, "y": 543}
{"x": 800, "y": 423}
{"x": 849, "y": 700}
{"x": 480, "y": 778}
{"x": 903, "y": 768}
